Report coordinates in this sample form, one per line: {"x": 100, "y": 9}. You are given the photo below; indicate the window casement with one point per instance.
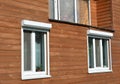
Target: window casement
{"x": 76, "y": 11}
{"x": 35, "y": 50}
{"x": 99, "y": 51}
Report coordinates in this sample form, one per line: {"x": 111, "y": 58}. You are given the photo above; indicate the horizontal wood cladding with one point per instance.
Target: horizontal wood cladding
{"x": 24, "y": 9}
{"x": 101, "y": 13}
{"x": 93, "y": 13}
{"x": 12, "y": 12}
{"x": 104, "y": 14}
{"x": 68, "y": 44}
{"x": 116, "y": 39}
{"x": 68, "y": 53}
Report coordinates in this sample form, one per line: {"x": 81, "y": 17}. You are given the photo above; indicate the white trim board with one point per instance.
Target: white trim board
{"x": 35, "y": 24}
{"x": 99, "y": 33}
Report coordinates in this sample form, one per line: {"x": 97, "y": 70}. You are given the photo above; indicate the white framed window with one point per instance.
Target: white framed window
{"x": 76, "y": 11}
{"x": 35, "y": 50}
{"x": 99, "y": 51}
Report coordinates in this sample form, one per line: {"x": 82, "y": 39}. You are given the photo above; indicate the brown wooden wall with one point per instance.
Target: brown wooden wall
{"x": 68, "y": 46}
{"x": 116, "y": 40}
{"x": 93, "y": 12}
{"x": 104, "y": 13}
{"x": 101, "y": 13}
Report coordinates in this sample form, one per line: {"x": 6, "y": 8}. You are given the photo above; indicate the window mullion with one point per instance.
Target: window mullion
{"x": 94, "y": 53}
{"x": 75, "y": 6}
{"x": 101, "y": 53}
{"x": 56, "y": 9}
{"x": 33, "y": 50}
{"x": 89, "y": 12}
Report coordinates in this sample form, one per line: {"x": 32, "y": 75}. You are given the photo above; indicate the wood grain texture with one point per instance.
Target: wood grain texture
{"x": 93, "y": 10}
{"x": 104, "y": 13}
{"x": 68, "y": 43}
{"x": 101, "y": 13}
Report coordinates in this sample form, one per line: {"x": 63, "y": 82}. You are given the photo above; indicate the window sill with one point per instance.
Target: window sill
{"x": 28, "y": 77}
{"x": 84, "y": 25}
{"x": 99, "y": 70}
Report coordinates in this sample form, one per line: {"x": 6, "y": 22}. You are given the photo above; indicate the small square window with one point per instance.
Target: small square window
{"x": 99, "y": 48}
{"x": 35, "y": 50}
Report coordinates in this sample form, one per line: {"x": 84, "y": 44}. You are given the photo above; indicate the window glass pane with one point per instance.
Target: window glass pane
{"x": 51, "y": 2}
{"x": 105, "y": 53}
{"x": 91, "y": 57}
{"x": 83, "y": 10}
{"x": 39, "y": 44}
{"x": 27, "y": 51}
{"x": 67, "y": 10}
{"x": 97, "y": 47}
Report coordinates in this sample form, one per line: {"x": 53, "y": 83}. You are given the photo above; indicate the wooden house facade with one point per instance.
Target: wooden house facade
{"x": 75, "y": 51}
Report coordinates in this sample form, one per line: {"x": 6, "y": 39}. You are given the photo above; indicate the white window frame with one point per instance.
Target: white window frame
{"x": 102, "y": 35}
{"x": 41, "y": 27}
